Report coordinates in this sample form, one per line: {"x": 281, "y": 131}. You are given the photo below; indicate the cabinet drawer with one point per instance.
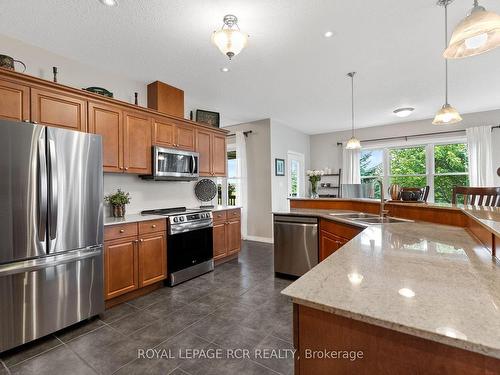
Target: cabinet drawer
{"x": 341, "y": 230}
{"x": 219, "y": 216}
{"x": 233, "y": 214}
{"x": 120, "y": 231}
{"x": 152, "y": 226}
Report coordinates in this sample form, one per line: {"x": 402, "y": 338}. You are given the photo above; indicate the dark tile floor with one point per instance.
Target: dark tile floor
{"x": 238, "y": 307}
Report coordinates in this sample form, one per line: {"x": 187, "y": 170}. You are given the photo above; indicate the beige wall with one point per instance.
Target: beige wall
{"x": 259, "y": 198}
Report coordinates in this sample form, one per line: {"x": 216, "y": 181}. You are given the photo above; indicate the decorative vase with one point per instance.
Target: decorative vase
{"x": 119, "y": 210}
{"x": 395, "y": 192}
{"x": 314, "y": 189}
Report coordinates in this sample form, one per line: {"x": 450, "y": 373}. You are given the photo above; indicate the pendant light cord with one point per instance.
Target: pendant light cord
{"x": 445, "y": 46}
{"x": 352, "y": 102}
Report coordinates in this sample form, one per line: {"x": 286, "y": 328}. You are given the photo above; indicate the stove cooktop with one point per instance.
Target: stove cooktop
{"x": 172, "y": 211}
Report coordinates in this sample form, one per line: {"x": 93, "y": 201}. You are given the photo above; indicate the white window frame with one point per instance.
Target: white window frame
{"x": 301, "y": 181}
{"x": 429, "y": 160}
{"x": 225, "y": 198}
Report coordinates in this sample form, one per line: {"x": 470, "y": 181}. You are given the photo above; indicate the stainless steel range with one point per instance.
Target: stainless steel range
{"x": 189, "y": 243}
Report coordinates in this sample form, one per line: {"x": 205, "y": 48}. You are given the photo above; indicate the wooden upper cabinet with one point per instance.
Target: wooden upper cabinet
{"x": 120, "y": 267}
{"x": 14, "y": 101}
{"x": 163, "y": 133}
{"x": 137, "y": 143}
{"x": 152, "y": 259}
{"x": 58, "y": 108}
{"x": 219, "y": 155}
{"x": 107, "y": 121}
{"x": 212, "y": 149}
{"x": 172, "y": 135}
{"x": 184, "y": 137}
{"x": 203, "y": 147}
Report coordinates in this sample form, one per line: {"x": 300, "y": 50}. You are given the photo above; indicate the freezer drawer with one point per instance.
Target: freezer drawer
{"x": 295, "y": 244}
{"x": 43, "y": 295}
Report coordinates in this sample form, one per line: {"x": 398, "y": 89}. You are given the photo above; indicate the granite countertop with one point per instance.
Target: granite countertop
{"x": 133, "y": 218}
{"x": 455, "y": 281}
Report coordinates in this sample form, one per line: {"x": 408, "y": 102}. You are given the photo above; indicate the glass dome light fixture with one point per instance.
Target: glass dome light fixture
{"x": 477, "y": 33}
{"x": 230, "y": 40}
{"x": 353, "y": 143}
{"x": 447, "y": 115}
{"x": 403, "y": 112}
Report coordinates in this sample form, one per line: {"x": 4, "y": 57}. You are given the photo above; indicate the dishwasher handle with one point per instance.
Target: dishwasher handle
{"x": 296, "y": 219}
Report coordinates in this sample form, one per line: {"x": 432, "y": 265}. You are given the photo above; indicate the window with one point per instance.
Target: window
{"x": 372, "y": 167}
{"x": 440, "y": 166}
{"x": 450, "y": 169}
{"x": 233, "y": 180}
{"x": 296, "y": 174}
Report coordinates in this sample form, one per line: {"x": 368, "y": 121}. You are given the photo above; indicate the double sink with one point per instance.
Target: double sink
{"x": 369, "y": 218}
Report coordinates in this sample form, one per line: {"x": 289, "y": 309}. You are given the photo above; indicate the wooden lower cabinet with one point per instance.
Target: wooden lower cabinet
{"x": 333, "y": 236}
{"x": 219, "y": 232}
{"x": 14, "y": 101}
{"x": 152, "y": 259}
{"x": 226, "y": 234}
{"x": 134, "y": 262}
{"x": 120, "y": 271}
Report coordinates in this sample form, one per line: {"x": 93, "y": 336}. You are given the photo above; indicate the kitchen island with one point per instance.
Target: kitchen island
{"x": 405, "y": 298}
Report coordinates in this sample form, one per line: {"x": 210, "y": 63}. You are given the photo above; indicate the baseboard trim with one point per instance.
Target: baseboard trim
{"x": 259, "y": 239}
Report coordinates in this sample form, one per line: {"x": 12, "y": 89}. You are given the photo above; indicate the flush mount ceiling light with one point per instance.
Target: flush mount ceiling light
{"x": 477, "y": 33}
{"x": 403, "y": 112}
{"x": 230, "y": 40}
{"x": 224, "y": 70}
{"x": 109, "y": 3}
{"x": 353, "y": 143}
{"x": 328, "y": 34}
{"x": 447, "y": 114}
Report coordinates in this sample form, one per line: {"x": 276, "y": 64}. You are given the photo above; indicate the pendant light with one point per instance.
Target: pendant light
{"x": 447, "y": 114}
{"x": 353, "y": 143}
{"x": 229, "y": 39}
{"x": 477, "y": 33}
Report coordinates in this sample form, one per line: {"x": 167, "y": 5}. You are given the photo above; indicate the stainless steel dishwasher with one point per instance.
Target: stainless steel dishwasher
{"x": 295, "y": 244}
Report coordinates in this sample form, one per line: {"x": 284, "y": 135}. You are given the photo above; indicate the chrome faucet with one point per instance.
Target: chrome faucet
{"x": 383, "y": 212}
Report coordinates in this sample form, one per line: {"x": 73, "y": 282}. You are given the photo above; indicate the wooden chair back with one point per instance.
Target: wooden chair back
{"x": 477, "y": 196}
{"x": 424, "y": 192}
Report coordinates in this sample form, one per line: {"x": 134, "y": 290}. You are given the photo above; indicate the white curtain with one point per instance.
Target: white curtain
{"x": 480, "y": 156}
{"x": 350, "y": 166}
{"x": 242, "y": 198}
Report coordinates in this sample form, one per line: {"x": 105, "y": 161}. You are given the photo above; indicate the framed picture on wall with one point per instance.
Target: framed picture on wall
{"x": 279, "y": 167}
{"x": 208, "y": 117}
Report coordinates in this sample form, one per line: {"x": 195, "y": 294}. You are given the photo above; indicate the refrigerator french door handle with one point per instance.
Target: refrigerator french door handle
{"x": 52, "y": 190}
{"x": 42, "y": 190}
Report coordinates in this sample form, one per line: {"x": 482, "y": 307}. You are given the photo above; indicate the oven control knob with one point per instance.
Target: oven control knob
{"x": 203, "y": 216}
{"x": 181, "y": 218}
{"x": 176, "y": 219}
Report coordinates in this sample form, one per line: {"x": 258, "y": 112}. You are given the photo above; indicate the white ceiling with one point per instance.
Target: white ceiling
{"x": 289, "y": 71}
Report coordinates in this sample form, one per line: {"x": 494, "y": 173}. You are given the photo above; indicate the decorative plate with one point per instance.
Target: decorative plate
{"x": 205, "y": 190}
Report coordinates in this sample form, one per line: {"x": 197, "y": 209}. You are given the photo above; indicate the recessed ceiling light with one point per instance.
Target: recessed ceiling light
{"x": 224, "y": 70}
{"x": 328, "y": 34}
{"x": 403, "y": 112}
{"x": 405, "y": 292}
{"x": 109, "y": 3}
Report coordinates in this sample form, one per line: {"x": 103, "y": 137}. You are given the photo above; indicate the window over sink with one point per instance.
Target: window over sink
{"x": 440, "y": 165}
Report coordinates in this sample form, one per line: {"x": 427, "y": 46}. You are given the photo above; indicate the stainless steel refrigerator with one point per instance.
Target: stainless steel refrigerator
{"x": 51, "y": 230}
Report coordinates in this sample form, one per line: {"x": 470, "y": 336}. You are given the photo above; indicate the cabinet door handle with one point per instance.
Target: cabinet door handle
{"x": 135, "y": 241}
{"x": 153, "y": 226}
{"x": 126, "y": 168}
{"x": 122, "y": 230}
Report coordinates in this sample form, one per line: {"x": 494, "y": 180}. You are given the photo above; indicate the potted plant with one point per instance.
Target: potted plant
{"x": 314, "y": 178}
{"x": 118, "y": 201}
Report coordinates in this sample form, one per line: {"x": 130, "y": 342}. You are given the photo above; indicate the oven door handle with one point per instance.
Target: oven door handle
{"x": 188, "y": 227}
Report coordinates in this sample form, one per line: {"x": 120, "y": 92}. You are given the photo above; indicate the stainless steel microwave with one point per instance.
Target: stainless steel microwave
{"x": 170, "y": 164}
